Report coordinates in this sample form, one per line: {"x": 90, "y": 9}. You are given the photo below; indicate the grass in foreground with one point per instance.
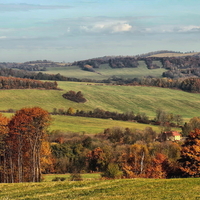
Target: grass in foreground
{"x": 140, "y": 189}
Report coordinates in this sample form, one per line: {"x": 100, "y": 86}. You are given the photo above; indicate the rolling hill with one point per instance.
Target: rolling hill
{"x": 105, "y": 71}
{"x": 112, "y": 98}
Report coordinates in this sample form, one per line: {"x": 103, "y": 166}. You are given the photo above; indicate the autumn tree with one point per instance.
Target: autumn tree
{"x": 190, "y": 155}
{"x": 156, "y": 168}
{"x": 23, "y": 145}
{"x": 3, "y": 133}
{"x": 135, "y": 160}
{"x": 97, "y": 159}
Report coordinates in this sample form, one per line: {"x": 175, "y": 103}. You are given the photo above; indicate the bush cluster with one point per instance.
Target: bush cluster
{"x": 73, "y": 96}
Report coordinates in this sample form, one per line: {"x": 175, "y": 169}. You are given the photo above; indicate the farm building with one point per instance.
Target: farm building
{"x": 170, "y": 136}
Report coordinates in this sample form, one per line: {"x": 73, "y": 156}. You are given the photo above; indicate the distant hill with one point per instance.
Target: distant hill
{"x": 174, "y": 54}
{"x": 162, "y": 63}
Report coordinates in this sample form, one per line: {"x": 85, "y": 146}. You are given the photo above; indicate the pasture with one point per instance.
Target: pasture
{"x": 138, "y": 189}
{"x": 105, "y": 72}
{"x": 112, "y": 98}
{"x": 87, "y": 125}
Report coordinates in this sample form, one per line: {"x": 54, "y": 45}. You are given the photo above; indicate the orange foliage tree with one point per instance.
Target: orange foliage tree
{"x": 97, "y": 159}
{"x": 3, "y": 133}
{"x": 134, "y": 162}
{"x": 190, "y": 155}
{"x": 23, "y": 145}
{"x": 156, "y": 167}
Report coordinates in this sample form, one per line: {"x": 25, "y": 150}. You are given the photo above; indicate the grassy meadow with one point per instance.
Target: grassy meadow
{"x": 87, "y": 125}
{"x": 138, "y": 189}
{"x": 105, "y": 72}
{"x": 112, "y": 98}
{"x": 85, "y": 177}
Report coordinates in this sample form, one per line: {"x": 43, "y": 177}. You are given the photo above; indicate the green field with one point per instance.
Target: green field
{"x": 106, "y": 72}
{"x": 85, "y": 177}
{"x": 87, "y": 125}
{"x": 112, "y": 98}
{"x": 129, "y": 189}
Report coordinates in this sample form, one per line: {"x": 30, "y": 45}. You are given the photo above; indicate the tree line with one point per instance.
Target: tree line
{"x": 185, "y": 84}
{"x": 21, "y": 83}
{"x": 162, "y": 118}
{"x": 38, "y": 65}
{"x": 7, "y": 72}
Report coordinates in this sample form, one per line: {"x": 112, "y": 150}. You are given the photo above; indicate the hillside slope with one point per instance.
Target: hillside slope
{"x": 112, "y": 98}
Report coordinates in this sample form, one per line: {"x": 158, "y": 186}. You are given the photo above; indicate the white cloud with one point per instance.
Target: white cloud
{"x": 110, "y": 26}
{"x": 122, "y": 28}
{"x": 190, "y": 28}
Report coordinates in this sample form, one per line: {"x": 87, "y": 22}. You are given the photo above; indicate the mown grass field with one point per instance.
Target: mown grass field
{"x": 88, "y": 176}
{"x": 112, "y": 98}
{"x": 105, "y": 72}
{"x": 87, "y": 125}
{"x": 129, "y": 189}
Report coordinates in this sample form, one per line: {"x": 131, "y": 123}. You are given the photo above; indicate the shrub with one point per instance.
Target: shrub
{"x": 112, "y": 171}
{"x": 59, "y": 179}
{"x": 75, "y": 177}
{"x": 73, "y": 96}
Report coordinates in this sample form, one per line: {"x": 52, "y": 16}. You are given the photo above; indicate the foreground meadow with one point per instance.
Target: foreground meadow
{"x": 140, "y": 189}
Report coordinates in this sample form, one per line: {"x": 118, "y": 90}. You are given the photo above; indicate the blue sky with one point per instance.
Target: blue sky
{"x": 71, "y": 30}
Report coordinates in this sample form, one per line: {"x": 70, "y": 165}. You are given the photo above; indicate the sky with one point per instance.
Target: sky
{"x": 72, "y": 30}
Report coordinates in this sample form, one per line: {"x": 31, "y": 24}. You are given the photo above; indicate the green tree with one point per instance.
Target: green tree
{"x": 112, "y": 171}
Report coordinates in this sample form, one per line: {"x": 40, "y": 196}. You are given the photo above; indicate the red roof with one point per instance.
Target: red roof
{"x": 174, "y": 133}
